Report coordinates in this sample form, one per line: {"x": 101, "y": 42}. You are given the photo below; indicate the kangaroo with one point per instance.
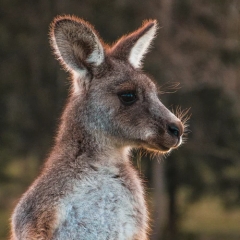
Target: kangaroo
{"x": 88, "y": 188}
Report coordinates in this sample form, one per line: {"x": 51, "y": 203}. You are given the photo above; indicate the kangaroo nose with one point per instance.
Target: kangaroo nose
{"x": 175, "y": 129}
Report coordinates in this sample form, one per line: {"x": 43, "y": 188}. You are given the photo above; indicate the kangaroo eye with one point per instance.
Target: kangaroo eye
{"x": 128, "y": 98}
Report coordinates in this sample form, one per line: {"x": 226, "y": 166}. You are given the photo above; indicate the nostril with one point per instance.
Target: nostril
{"x": 174, "y": 130}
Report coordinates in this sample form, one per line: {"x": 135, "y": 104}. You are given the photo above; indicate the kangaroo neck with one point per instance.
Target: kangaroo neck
{"x": 75, "y": 143}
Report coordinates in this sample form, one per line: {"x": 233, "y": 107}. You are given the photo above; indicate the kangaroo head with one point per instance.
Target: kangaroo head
{"x": 112, "y": 97}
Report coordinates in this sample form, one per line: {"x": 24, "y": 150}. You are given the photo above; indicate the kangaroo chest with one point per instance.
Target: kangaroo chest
{"x": 100, "y": 206}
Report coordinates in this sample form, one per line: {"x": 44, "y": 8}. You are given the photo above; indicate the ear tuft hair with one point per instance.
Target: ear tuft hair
{"x": 134, "y": 46}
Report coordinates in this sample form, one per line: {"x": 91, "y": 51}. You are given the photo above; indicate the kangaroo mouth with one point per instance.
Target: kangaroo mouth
{"x": 161, "y": 145}
{"x": 154, "y": 147}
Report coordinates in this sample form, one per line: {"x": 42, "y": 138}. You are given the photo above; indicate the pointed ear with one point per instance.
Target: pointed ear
{"x": 134, "y": 46}
{"x": 77, "y": 47}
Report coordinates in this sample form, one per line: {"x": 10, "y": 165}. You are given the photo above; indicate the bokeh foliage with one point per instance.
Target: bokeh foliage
{"x": 198, "y": 45}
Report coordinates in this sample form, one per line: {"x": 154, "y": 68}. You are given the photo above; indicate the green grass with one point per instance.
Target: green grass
{"x": 21, "y": 173}
{"x": 209, "y": 218}
{"x": 4, "y": 223}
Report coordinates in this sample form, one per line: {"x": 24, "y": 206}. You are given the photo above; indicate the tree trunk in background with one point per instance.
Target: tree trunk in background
{"x": 172, "y": 215}
{"x": 172, "y": 228}
{"x": 159, "y": 200}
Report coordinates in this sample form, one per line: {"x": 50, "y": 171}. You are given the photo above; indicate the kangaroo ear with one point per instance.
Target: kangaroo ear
{"x": 77, "y": 46}
{"x": 134, "y": 46}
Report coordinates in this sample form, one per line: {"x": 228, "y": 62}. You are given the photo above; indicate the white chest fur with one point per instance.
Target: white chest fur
{"x": 100, "y": 207}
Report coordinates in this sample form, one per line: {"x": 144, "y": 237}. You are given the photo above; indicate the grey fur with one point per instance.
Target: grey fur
{"x": 88, "y": 188}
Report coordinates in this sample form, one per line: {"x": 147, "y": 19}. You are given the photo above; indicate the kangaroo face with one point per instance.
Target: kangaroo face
{"x": 124, "y": 105}
{"x": 120, "y": 101}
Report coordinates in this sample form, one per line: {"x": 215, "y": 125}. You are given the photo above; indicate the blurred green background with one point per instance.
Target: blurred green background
{"x": 194, "y": 194}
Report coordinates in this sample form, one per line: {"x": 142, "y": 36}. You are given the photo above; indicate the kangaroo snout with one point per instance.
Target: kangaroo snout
{"x": 176, "y": 130}
{"x": 170, "y": 129}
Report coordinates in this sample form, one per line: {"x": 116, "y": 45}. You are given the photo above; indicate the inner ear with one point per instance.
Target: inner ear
{"x": 76, "y": 45}
{"x": 134, "y": 46}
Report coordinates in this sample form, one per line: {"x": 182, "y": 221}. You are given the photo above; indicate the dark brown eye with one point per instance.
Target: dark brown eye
{"x": 128, "y": 98}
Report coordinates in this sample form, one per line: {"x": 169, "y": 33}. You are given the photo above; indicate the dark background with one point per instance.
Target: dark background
{"x": 194, "y": 194}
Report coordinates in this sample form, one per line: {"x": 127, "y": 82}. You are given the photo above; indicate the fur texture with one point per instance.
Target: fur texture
{"x": 88, "y": 188}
